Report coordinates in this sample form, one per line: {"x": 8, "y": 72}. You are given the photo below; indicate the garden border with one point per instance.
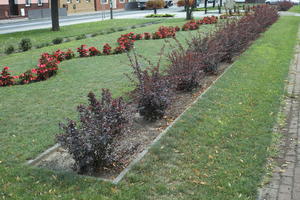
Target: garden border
{"x": 139, "y": 157}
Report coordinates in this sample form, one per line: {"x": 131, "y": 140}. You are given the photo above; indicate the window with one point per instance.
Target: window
{"x": 27, "y": 2}
{"x": 88, "y": 1}
{"x": 78, "y": 1}
{"x": 122, "y": 1}
{"x": 40, "y": 2}
{"x": 104, "y": 1}
{"x": 69, "y": 1}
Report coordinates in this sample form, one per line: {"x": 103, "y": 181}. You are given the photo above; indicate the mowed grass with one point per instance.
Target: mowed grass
{"x": 31, "y": 113}
{"x": 216, "y": 151}
{"x": 295, "y": 9}
{"x": 45, "y": 36}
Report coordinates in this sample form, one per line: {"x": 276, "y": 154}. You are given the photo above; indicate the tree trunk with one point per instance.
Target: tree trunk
{"x": 155, "y": 11}
{"x": 205, "y": 6}
{"x": 54, "y": 15}
{"x": 189, "y": 11}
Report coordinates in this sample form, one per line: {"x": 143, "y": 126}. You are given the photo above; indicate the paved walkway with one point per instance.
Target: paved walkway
{"x": 286, "y": 13}
{"x": 285, "y": 183}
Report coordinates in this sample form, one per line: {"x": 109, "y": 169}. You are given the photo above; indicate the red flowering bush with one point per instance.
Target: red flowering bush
{"x": 138, "y": 36}
{"x": 209, "y": 20}
{"x": 47, "y": 67}
{"x": 147, "y": 36}
{"x": 93, "y": 51}
{"x": 6, "y": 79}
{"x": 167, "y": 32}
{"x": 119, "y": 50}
{"x": 69, "y": 54}
{"x": 126, "y": 41}
{"x": 128, "y": 35}
{"x": 284, "y": 5}
{"x": 177, "y": 28}
{"x": 28, "y": 77}
{"x": 107, "y": 49}
{"x": 194, "y": 24}
{"x": 127, "y": 44}
{"x": 157, "y": 35}
{"x": 59, "y": 55}
{"x": 83, "y": 52}
{"x": 191, "y": 25}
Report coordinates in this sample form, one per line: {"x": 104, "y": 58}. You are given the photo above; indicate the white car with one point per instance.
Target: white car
{"x": 240, "y": 1}
{"x": 295, "y": 2}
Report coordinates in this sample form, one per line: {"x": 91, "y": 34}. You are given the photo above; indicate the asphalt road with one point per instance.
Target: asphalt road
{"x": 10, "y": 26}
{"x": 16, "y": 25}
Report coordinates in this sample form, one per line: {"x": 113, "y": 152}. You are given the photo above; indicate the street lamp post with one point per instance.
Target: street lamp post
{"x": 111, "y": 9}
{"x": 220, "y": 7}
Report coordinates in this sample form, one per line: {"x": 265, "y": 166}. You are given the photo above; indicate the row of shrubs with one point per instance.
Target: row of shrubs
{"x": 25, "y": 44}
{"x": 125, "y": 43}
{"x": 284, "y": 5}
{"x": 103, "y": 120}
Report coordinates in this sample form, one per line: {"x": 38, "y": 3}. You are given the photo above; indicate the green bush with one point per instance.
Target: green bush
{"x": 112, "y": 30}
{"x": 45, "y": 44}
{"x": 121, "y": 29}
{"x": 10, "y": 49}
{"x": 57, "y": 40}
{"x": 80, "y": 37}
{"x": 25, "y": 44}
{"x": 94, "y": 34}
{"x": 67, "y": 39}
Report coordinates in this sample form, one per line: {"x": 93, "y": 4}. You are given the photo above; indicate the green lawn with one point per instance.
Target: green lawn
{"x": 45, "y": 36}
{"x": 216, "y": 151}
{"x": 295, "y": 9}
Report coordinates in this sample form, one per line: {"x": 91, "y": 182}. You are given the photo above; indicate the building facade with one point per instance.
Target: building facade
{"x": 12, "y": 8}
{"x": 105, "y": 4}
{"x": 77, "y": 6}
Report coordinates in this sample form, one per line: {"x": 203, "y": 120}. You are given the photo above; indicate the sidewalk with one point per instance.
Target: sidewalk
{"x": 285, "y": 183}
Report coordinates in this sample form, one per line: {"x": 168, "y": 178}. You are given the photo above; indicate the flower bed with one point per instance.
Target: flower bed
{"x": 194, "y": 24}
{"x": 154, "y": 90}
{"x": 49, "y": 65}
{"x": 50, "y": 62}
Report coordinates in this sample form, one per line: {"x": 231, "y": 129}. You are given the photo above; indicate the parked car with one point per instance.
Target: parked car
{"x": 240, "y": 1}
{"x": 142, "y": 3}
{"x": 273, "y": 2}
